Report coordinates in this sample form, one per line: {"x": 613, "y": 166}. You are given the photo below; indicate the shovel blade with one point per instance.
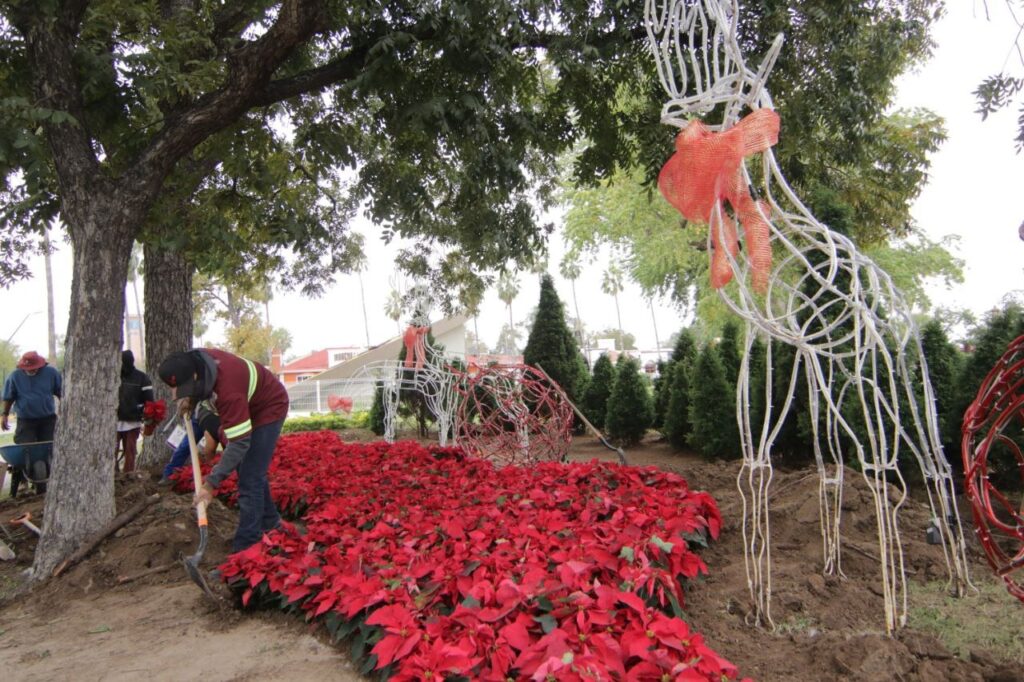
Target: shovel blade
{"x": 191, "y": 564}
{"x": 192, "y": 568}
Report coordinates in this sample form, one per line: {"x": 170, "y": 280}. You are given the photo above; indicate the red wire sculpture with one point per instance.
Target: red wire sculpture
{"x": 513, "y": 415}
{"x": 994, "y": 428}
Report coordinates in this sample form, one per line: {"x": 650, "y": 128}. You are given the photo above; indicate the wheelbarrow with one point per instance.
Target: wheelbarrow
{"x": 30, "y": 460}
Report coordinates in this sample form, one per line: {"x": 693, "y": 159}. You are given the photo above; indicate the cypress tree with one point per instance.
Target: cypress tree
{"x": 595, "y": 398}
{"x": 729, "y": 351}
{"x": 551, "y": 343}
{"x": 676, "y": 420}
{"x": 712, "y": 408}
{"x": 630, "y": 408}
{"x": 677, "y": 416}
{"x": 943, "y": 368}
{"x": 377, "y": 410}
{"x": 662, "y": 392}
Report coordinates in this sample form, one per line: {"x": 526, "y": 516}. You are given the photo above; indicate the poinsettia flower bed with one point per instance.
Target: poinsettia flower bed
{"x": 441, "y": 566}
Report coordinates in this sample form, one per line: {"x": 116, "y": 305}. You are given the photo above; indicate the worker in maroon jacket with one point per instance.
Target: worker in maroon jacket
{"x": 252, "y": 405}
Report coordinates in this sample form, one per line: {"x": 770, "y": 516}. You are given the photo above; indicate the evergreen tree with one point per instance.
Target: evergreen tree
{"x": 758, "y": 376}
{"x": 377, "y": 410}
{"x": 630, "y": 408}
{"x": 551, "y": 344}
{"x": 662, "y": 390}
{"x": 677, "y": 416}
{"x": 595, "y": 398}
{"x": 990, "y": 341}
{"x": 729, "y": 351}
{"x": 943, "y": 368}
{"x": 712, "y": 408}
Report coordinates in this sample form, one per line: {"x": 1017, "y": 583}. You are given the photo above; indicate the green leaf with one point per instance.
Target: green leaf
{"x": 627, "y": 553}
{"x": 665, "y": 547}
{"x": 547, "y": 622}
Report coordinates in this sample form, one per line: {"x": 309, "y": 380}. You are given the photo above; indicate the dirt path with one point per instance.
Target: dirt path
{"x": 159, "y": 632}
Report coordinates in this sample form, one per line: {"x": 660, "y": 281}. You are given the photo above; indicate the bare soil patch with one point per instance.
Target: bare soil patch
{"x": 86, "y": 625}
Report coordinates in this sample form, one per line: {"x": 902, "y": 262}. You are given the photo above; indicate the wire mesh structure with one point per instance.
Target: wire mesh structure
{"x": 425, "y": 372}
{"x": 798, "y": 283}
{"x": 993, "y": 452}
{"x": 508, "y": 413}
{"x": 513, "y": 415}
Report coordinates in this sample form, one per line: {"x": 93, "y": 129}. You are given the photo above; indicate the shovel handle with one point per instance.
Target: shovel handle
{"x": 197, "y": 474}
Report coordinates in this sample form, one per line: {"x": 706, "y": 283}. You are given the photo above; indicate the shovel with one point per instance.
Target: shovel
{"x": 192, "y": 562}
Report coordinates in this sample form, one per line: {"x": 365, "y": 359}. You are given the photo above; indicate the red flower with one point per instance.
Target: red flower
{"x": 402, "y": 633}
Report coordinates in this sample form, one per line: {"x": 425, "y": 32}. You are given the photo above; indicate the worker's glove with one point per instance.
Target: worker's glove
{"x": 184, "y": 407}
{"x": 203, "y": 496}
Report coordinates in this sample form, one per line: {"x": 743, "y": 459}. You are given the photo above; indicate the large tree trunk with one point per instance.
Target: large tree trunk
{"x": 167, "y": 291}
{"x": 80, "y": 499}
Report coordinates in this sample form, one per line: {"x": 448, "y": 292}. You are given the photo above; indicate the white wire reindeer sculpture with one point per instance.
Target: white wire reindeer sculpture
{"x": 799, "y": 283}
{"x": 424, "y": 371}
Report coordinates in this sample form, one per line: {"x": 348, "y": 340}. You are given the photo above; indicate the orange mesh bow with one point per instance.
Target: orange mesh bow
{"x": 339, "y": 403}
{"x": 415, "y": 346}
{"x": 705, "y": 170}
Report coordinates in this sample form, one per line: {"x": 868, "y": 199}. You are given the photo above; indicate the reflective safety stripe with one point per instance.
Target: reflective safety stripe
{"x": 252, "y": 378}
{"x": 239, "y": 430}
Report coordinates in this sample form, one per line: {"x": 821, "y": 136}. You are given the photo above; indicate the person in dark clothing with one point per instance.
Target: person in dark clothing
{"x": 135, "y": 390}
{"x": 252, "y": 405}
{"x": 31, "y": 389}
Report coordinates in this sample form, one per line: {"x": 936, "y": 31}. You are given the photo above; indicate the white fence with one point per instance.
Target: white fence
{"x": 312, "y": 396}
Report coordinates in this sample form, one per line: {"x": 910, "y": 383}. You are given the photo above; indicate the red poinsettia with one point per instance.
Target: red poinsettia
{"x": 557, "y": 571}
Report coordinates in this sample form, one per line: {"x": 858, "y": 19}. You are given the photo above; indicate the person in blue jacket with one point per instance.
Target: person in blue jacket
{"x": 205, "y": 422}
{"x": 31, "y": 389}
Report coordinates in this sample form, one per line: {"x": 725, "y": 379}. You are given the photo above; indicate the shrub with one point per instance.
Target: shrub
{"x": 377, "y": 412}
{"x": 630, "y": 408}
{"x": 713, "y": 408}
{"x": 595, "y": 398}
{"x": 677, "y": 416}
{"x": 551, "y": 344}
{"x": 322, "y": 422}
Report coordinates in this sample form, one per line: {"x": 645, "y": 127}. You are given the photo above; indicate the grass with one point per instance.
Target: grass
{"x": 991, "y": 619}
{"x": 6, "y": 437}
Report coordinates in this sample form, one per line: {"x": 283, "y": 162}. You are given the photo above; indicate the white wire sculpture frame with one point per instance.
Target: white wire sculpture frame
{"x": 428, "y": 372}
{"x": 852, "y": 331}
{"x": 433, "y": 378}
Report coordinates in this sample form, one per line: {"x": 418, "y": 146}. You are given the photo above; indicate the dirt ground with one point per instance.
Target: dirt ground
{"x": 87, "y": 625}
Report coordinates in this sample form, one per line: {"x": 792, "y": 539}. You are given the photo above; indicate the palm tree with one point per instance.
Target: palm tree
{"x": 508, "y": 289}
{"x": 393, "y": 306}
{"x": 570, "y": 270}
{"x": 359, "y": 265}
{"x": 654, "y": 322}
{"x": 51, "y": 327}
{"x": 134, "y": 268}
{"x": 472, "y": 297}
{"x": 611, "y": 284}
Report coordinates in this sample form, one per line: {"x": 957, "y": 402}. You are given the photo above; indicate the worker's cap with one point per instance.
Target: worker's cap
{"x": 179, "y": 370}
{"x": 31, "y": 360}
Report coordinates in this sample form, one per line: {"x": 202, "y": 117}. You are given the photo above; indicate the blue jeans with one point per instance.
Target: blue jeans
{"x": 181, "y": 455}
{"x": 257, "y": 513}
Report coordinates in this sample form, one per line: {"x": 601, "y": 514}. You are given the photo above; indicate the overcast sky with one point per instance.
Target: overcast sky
{"x": 973, "y": 192}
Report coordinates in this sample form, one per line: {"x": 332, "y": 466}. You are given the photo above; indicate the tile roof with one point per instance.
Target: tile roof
{"x": 314, "y": 362}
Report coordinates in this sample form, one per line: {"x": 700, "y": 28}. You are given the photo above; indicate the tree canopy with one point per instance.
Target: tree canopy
{"x": 857, "y": 167}
{"x": 440, "y": 121}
